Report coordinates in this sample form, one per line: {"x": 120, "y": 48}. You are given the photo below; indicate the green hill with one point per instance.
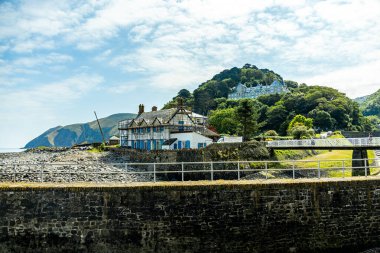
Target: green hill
{"x": 66, "y": 136}
{"x": 204, "y": 98}
{"x": 370, "y": 105}
{"x": 329, "y": 108}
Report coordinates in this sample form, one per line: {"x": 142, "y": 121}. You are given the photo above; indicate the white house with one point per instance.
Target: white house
{"x": 242, "y": 91}
{"x": 174, "y": 128}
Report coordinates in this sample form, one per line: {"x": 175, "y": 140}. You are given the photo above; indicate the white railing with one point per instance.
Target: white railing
{"x": 350, "y": 142}
{"x": 184, "y": 171}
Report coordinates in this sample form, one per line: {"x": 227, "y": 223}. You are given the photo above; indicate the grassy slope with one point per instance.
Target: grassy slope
{"x": 338, "y": 158}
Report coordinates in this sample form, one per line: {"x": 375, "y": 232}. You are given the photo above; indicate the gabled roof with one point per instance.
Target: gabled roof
{"x": 163, "y": 115}
{"x": 183, "y": 112}
{"x": 156, "y": 122}
{"x": 143, "y": 123}
{"x": 133, "y": 123}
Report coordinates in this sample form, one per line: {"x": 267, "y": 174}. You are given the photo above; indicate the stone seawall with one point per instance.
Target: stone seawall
{"x": 281, "y": 216}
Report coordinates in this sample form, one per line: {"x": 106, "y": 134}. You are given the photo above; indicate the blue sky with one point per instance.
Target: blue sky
{"x": 61, "y": 60}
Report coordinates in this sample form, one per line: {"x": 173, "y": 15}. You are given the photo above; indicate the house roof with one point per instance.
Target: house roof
{"x": 114, "y": 138}
{"x": 163, "y": 115}
{"x": 169, "y": 142}
{"x": 207, "y": 132}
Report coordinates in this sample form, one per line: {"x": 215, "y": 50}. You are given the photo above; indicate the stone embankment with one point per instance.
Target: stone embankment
{"x": 340, "y": 215}
{"x": 65, "y": 165}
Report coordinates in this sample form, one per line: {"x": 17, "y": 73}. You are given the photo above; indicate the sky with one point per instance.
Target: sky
{"x": 61, "y": 60}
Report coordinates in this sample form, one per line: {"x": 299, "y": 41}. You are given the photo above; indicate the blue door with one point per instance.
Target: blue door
{"x": 141, "y": 144}
{"x": 175, "y": 145}
{"x": 148, "y": 145}
{"x": 187, "y": 144}
{"x": 179, "y": 144}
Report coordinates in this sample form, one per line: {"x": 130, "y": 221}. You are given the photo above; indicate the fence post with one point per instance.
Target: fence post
{"x": 319, "y": 169}
{"x": 70, "y": 172}
{"x": 212, "y": 171}
{"x": 294, "y": 173}
{"x": 154, "y": 172}
{"x": 238, "y": 170}
{"x": 343, "y": 169}
{"x": 183, "y": 173}
{"x": 41, "y": 168}
{"x": 14, "y": 173}
{"x": 266, "y": 170}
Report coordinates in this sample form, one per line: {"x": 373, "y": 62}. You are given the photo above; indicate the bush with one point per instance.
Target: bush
{"x": 301, "y": 132}
{"x": 271, "y": 133}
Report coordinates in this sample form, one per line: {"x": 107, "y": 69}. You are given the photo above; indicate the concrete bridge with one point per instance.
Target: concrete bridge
{"x": 329, "y": 144}
{"x": 358, "y": 145}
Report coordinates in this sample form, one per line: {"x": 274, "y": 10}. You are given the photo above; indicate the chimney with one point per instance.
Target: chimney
{"x": 141, "y": 108}
{"x": 180, "y": 103}
{"x": 154, "y": 108}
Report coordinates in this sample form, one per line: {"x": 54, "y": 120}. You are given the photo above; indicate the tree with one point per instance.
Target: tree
{"x": 224, "y": 121}
{"x": 301, "y": 120}
{"x": 276, "y": 115}
{"x": 321, "y": 119}
{"x": 291, "y": 84}
{"x": 246, "y": 115}
{"x": 184, "y": 93}
{"x": 301, "y": 132}
{"x": 301, "y": 127}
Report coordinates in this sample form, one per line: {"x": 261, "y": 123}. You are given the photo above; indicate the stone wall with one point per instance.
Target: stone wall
{"x": 245, "y": 151}
{"x": 301, "y": 216}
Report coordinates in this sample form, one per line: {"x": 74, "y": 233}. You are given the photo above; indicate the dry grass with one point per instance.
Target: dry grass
{"x": 78, "y": 186}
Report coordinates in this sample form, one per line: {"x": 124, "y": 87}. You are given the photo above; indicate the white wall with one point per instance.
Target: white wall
{"x": 193, "y": 137}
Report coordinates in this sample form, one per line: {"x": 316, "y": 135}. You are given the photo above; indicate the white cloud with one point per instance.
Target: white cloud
{"x": 31, "y": 44}
{"x": 354, "y": 81}
{"x": 168, "y": 45}
{"x": 121, "y": 88}
{"x": 31, "y": 102}
{"x": 103, "y": 56}
{"x": 52, "y": 58}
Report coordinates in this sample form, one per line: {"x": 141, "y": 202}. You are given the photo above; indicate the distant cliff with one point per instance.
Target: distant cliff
{"x": 66, "y": 136}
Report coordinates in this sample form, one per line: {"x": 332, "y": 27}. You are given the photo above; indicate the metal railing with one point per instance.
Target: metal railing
{"x": 185, "y": 171}
{"x": 349, "y": 142}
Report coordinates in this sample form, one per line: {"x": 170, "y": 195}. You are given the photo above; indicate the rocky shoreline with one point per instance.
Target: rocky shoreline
{"x": 67, "y": 165}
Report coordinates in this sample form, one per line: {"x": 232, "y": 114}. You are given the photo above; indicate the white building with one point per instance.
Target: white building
{"x": 174, "y": 128}
{"x": 242, "y": 91}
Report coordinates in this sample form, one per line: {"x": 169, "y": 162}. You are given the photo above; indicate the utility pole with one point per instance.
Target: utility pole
{"x": 100, "y": 128}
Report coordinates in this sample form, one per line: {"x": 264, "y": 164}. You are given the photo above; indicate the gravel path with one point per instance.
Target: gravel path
{"x": 61, "y": 165}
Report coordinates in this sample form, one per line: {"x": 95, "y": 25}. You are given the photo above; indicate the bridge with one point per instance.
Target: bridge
{"x": 358, "y": 145}
{"x": 329, "y": 144}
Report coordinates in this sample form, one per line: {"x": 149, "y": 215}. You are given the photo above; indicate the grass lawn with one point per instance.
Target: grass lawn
{"x": 338, "y": 160}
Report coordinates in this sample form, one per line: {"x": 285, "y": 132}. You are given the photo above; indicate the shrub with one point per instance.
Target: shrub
{"x": 271, "y": 133}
